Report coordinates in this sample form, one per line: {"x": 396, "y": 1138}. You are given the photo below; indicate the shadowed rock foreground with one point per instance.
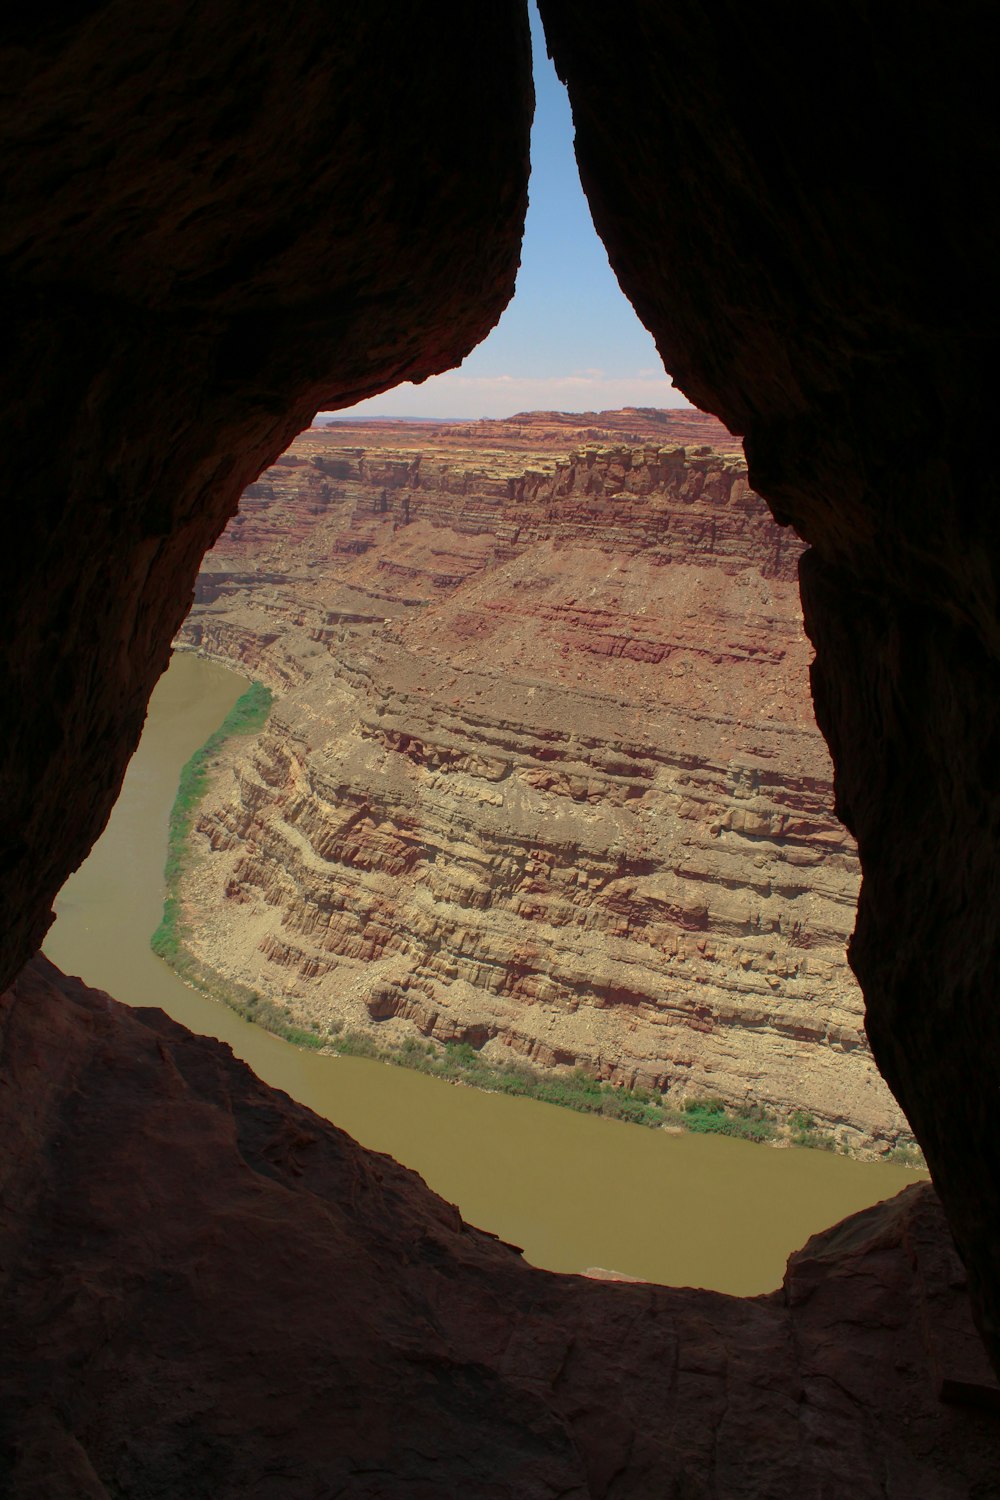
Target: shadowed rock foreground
{"x": 316, "y": 1322}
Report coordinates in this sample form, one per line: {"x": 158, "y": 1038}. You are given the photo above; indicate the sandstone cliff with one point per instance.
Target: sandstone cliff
{"x": 543, "y": 775}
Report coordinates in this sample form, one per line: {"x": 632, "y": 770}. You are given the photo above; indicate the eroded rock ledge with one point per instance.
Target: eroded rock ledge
{"x": 316, "y": 1321}
{"x": 543, "y": 775}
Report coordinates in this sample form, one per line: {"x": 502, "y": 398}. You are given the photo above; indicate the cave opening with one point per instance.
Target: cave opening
{"x": 586, "y": 628}
{"x": 171, "y": 1225}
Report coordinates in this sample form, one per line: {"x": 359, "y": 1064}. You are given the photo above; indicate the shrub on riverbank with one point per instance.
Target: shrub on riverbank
{"x": 805, "y": 1132}
{"x": 711, "y": 1117}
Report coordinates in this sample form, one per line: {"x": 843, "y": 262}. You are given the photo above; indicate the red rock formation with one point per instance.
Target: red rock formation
{"x": 315, "y": 1321}
{"x": 543, "y": 776}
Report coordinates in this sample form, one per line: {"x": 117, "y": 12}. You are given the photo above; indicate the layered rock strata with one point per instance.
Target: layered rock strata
{"x": 543, "y": 775}
{"x": 316, "y": 1322}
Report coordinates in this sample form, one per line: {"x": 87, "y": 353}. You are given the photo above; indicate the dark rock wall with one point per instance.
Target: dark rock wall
{"x": 216, "y": 219}
{"x": 798, "y": 202}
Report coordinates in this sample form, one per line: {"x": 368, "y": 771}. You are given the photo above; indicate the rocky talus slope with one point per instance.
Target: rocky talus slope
{"x": 543, "y": 774}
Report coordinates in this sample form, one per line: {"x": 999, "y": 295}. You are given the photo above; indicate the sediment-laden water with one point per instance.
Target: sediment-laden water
{"x": 575, "y": 1191}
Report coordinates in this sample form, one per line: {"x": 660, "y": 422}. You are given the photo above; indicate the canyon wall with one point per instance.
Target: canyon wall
{"x": 543, "y": 774}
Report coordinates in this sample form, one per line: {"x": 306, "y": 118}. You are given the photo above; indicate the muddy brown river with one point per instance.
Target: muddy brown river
{"x": 575, "y": 1191}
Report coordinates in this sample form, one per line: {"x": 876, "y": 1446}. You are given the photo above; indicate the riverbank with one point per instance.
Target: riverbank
{"x": 247, "y": 716}
{"x": 459, "y": 1063}
{"x": 575, "y": 1190}
{"x": 453, "y": 1062}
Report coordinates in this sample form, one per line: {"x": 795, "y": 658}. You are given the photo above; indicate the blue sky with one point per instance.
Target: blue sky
{"x": 569, "y": 341}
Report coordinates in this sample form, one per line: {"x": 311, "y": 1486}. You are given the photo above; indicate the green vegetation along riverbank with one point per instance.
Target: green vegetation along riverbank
{"x": 247, "y": 716}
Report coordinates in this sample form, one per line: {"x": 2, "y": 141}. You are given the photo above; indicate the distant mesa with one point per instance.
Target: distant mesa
{"x": 632, "y": 424}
